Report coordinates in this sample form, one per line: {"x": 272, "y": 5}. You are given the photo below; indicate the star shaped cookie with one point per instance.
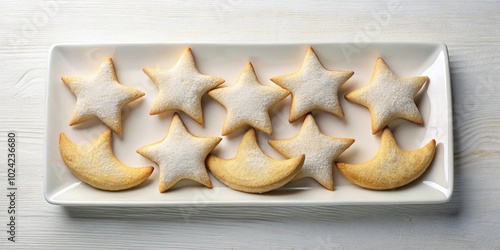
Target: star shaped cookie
{"x": 100, "y": 96}
{"x": 180, "y": 155}
{"x": 389, "y": 97}
{"x": 248, "y": 102}
{"x": 252, "y": 170}
{"x": 320, "y": 151}
{"x": 181, "y": 87}
{"x": 313, "y": 87}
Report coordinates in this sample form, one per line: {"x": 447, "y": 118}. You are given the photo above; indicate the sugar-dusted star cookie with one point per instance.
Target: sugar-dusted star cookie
{"x": 101, "y": 96}
{"x": 181, "y": 87}
{"x": 392, "y": 166}
{"x": 180, "y": 155}
{"x": 252, "y": 170}
{"x": 248, "y": 102}
{"x": 96, "y": 164}
{"x": 320, "y": 151}
{"x": 313, "y": 87}
{"x": 389, "y": 97}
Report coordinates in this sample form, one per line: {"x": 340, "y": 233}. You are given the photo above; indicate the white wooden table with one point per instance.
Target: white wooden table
{"x": 470, "y": 29}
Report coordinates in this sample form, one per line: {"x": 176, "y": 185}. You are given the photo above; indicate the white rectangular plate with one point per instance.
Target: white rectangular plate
{"x": 227, "y": 61}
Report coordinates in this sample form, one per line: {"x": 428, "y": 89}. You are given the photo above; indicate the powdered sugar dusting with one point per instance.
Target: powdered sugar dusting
{"x": 101, "y": 96}
{"x": 180, "y": 155}
{"x": 248, "y": 102}
{"x": 182, "y": 87}
{"x": 252, "y": 155}
{"x": 389, "y": 96}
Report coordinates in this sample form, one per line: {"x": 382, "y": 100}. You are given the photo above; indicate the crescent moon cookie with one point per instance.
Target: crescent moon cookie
{"x": 392, "y": 166}
{"x": 248, "y": 102}
{"x": 313, "y": 87}
{"x": 320, "y": 151}
{"x": 96, "y": 164}
{"x": 389, "y": 97}
{"x": 100, "y": 96}
{"x": 181, "y": 87}
{"x": 253, "y": 171}
{"x": 180, "y": 155}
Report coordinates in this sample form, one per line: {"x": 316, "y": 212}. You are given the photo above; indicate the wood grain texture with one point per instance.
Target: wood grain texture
{"x": 469, "y": 28}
